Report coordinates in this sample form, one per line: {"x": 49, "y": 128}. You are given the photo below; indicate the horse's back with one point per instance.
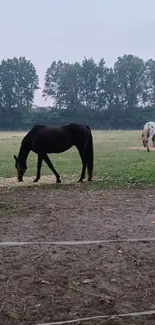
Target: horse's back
{"x": 53, "y": 139}
{"x": 79, "y": 133}
{"x": 57, "y": 138}
{"x": 79, "y": 128}
{"x": 148, "y": 125}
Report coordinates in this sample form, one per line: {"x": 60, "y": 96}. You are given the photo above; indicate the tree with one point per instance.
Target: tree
{"x": 129, "y": 75}
{"x": 88, "y": 83}
{"x": 150, "y": 82}
{"x": 70, "y": 85}
{"x": 62, "y": 84}
{"x": 106, "y": 90}
{"x": 52, "y": 83}
{"x": 18, "y": 83}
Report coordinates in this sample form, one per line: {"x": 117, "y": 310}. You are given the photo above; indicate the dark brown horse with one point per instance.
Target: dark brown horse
{"x": 43, "y": 140}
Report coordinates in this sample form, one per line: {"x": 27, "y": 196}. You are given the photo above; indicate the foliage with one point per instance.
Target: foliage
{"x": 18, "y": 82}
{"x": 119, "y": 97}
{"x": 129, "y": 74}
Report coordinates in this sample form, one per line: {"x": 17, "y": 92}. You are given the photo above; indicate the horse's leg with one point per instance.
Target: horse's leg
{"x": 40, "y": 159}
{"x": 84, "y": 164}
{"x": 148, "y": 150}
{"x": 50, "y": 165}
{"x": 147, "y": 146}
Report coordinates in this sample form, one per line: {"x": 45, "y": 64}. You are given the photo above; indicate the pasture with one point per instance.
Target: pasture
{"x": 116, "y": 164}
{"x": 41, "y": 284}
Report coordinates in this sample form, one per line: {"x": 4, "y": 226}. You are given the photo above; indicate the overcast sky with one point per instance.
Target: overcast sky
{"x": 49, "y": 30}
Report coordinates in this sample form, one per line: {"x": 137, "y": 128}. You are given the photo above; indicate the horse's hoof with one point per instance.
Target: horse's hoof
{"x": 89, "y": 180}
{"x": 35, "y": 180}
{"x": 58, "y": 181}
{"x": 80, "y": 180}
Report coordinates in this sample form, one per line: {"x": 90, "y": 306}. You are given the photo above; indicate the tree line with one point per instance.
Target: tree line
{"x": 118, "y": 97}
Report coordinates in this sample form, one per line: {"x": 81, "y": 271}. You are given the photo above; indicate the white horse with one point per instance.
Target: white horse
{"x": 148, "y": 134}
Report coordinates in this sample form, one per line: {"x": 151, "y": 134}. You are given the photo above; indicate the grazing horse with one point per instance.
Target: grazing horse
{"x": 43, "y": 140}
{"x": 148, "y": 134}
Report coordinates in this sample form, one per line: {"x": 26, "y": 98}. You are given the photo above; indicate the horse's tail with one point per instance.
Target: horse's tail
{"x": 90, "y": 155}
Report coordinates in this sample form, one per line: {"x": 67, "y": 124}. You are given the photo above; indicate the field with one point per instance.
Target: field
{"x": 43, "y": 284}
{"x": 116, "y": 164}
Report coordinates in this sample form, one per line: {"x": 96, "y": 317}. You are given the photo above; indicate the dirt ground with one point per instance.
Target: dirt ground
{"x": 140, "y": 148}
{"x": 40, "y": 284}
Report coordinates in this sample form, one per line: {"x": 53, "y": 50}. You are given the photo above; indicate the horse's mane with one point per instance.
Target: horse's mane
{"x": 28, "y": 137}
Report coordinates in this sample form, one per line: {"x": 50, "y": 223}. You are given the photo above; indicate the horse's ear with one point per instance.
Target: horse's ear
{"x": 15, "y": 158}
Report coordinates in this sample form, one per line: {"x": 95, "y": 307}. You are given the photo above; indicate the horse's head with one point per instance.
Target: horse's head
{"x": 21, "y": 168}
{"x": 145, "y": 135}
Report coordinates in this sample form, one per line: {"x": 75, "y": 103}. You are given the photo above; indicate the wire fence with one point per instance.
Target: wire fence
{"x": 78, "y": 242}
{"x": 87, "y": 242}
{"x": 106, "y": 317}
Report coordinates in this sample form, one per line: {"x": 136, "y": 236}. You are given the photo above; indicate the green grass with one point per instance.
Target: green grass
{"x": 113, "y": 167}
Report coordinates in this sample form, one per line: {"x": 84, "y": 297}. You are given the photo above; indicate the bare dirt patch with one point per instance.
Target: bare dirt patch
{"x": 28, "y": 181}
{"x": 13, "y": 182}
{"x": 137, "y": 148}
{"x": 41, "y": 284}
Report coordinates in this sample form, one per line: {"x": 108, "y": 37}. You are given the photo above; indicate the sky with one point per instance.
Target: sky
{"x": 69, "y": 30}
